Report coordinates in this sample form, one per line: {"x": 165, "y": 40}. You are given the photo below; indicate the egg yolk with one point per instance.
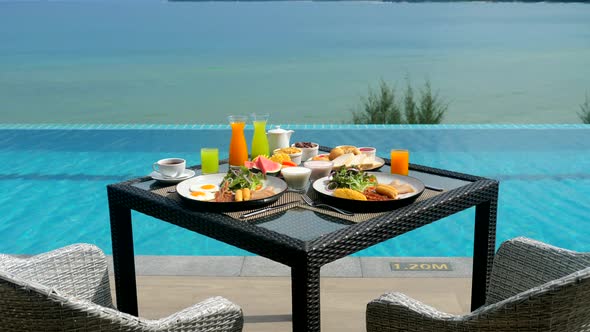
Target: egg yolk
{"x": 208, "y": 186}
{"x": 197, "y": 193}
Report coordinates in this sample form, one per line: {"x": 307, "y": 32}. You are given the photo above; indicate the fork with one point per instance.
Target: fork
{"x": 310, "y": 202}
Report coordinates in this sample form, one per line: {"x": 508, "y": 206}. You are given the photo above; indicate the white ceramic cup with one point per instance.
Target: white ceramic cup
{"x": 296, "y": 177}
{"x": 368, "y": 151}
{"x": 170, "y": 167}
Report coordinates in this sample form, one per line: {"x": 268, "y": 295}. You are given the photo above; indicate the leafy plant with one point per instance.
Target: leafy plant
{"x": 585, "y": 111}
{"x": 410, "y": 107}
{"x": 379, "y": 107}
{"x": 432, "y": 109}
{"x": 382, "y": 107}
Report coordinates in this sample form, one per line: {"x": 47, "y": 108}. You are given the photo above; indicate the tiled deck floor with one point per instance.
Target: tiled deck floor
{"x": 266, "y": 300}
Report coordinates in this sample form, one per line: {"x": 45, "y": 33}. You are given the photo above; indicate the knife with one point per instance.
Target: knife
{"x": 255, "y": 212}
{"x": 433, "y": 188}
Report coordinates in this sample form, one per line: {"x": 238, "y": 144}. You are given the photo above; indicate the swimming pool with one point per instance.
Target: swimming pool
{"x": 53, "y": 182}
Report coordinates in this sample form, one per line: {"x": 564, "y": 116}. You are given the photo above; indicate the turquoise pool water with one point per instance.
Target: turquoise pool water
{"x": 53, "y": 182}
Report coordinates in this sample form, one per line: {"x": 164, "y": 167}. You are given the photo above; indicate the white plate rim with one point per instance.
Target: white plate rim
{"x": 183, "y": 188}
{"x": 319, "y": 185}
{"x": 188, "y": 173}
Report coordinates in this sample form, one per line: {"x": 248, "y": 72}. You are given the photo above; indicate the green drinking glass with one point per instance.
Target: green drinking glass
{"x": 209, "y": 160}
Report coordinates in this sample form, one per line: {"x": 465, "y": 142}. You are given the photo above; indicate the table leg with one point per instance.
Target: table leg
{"x": 305, "y": 298}
{"x": 483, "y": 251}
{"x": 123, "y": 259}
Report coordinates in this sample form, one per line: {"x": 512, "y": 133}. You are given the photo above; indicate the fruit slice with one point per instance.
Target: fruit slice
{"x": 289, "y": 164}
{"x": 265, "y": 165}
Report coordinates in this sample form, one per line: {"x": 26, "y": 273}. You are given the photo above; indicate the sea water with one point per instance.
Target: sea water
{"x": 152, "y": 61}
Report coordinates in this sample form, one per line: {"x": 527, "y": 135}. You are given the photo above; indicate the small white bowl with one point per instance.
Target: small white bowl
{"x": 295, "y": 157}
{"x": 308, "y": 153}
{"x": 369, "y": 151}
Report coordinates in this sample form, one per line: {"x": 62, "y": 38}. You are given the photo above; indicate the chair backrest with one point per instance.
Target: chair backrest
{"x": 537, "y": 287}
{"x": 29, "y": 306}
{"x": 78, "y": 270}
{"x": 522, "y": 264}
{"x": 561, "y": 305}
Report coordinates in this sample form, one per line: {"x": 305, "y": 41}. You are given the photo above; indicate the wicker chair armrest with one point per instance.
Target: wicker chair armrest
{"x": 30, "y": 306}
{"x": 521, "y": 264}
{"x": 213, "y": 314}
{"x": 557, "y": 304}
{"x": 78, "y": 270}
{"x": 398, "y": 312}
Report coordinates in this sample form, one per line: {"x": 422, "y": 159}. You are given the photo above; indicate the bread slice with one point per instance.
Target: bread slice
{"x": 343, "y": 160}
{"x": 357, "y": 160}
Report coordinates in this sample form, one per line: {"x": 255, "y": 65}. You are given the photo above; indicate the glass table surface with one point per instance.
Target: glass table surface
{"x": 306, "y": 225}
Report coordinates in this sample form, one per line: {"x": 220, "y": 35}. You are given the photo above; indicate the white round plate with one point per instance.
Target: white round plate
{"x": 183, "y": 189}
{"x": 371, "y": 206}
{"x": 187, "y": 174}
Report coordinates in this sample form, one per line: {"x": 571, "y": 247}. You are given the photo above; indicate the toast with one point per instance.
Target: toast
{"x": 343, "y": 160}
{"x": 362, "y": 161}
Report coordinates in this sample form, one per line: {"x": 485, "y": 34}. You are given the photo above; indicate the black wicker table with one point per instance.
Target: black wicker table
{"x": 305, "y": 239}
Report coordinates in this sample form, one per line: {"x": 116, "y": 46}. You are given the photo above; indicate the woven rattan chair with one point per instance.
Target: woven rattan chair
{"x": 68, "y": 290}
{"x": 533, "y": 287}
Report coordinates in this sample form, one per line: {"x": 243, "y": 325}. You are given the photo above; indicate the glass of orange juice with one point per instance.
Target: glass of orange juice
{"x": 400, "y": 161}
{"x": 238, "y": 149}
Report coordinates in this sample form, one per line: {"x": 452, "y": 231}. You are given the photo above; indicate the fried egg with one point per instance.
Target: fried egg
{"x": 202, "y": 195}
{"x": 208, "y": 187}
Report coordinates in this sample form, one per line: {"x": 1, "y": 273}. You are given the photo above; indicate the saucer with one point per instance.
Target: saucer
{"x": 187, "y": 174}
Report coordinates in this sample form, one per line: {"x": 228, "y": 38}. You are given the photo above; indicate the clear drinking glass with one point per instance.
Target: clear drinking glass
{"x": 259, "y": 139}
{"x": 400, "y": 161}
{"x": 238, "y": 149}
{"x": 209, "y": 160}
{"x": 319, "y": 168}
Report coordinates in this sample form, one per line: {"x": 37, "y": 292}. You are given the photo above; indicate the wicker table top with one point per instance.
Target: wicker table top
{"x": 300, "y": 228}
{"x": 306, "y": 239}
{"x": 301, "y": 224}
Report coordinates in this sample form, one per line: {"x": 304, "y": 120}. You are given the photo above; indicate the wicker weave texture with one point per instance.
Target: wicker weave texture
{"x": 305, "y": 257}
{"x": 68, "y": 290}
{"x": 561, "y": 304}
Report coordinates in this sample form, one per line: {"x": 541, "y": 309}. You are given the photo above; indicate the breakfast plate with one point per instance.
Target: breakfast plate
{"x": 207, "y": 185}
{"x": 326, "y": 194}
{"x": 187, "y": 174}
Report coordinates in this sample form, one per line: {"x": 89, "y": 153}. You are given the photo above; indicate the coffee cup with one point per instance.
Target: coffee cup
{"x": 170, "y": 167}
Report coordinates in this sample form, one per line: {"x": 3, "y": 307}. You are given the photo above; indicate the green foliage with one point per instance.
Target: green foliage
{"x": 432, "y": 109}
{"x": 585, "y": 111}
{"x": 383, "y": 107}
{"x": 410, "y": 107}
{"x": 379, "y": 107}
